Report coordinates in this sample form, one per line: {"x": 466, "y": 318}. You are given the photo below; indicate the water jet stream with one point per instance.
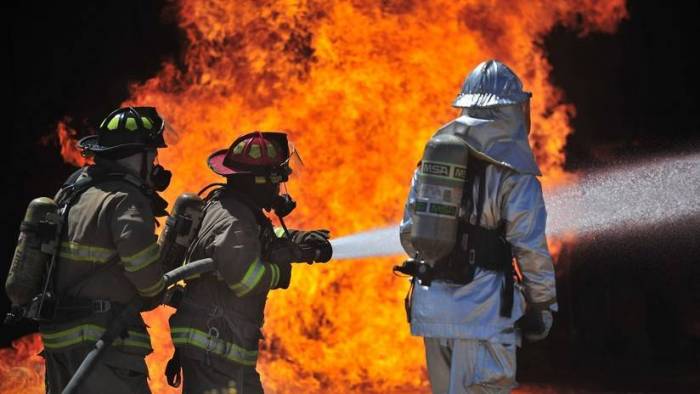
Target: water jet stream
{"x": 628, "y": 197}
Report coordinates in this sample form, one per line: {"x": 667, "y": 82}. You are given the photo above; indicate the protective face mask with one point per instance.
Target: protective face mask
{"x": 160, "y": 178}
{"x": 283, "y": 204}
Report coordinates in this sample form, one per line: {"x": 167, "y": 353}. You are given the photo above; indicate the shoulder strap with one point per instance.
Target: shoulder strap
{"x": 476, "y": 169}
{"x": 208, "y": 201}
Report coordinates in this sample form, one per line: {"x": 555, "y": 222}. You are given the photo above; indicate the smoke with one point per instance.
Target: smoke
{"x": 619, "y": 200}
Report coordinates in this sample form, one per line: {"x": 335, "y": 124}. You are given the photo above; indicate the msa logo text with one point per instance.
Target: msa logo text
{"x": 436, "y": 169}
{"x": 460, "y": 173}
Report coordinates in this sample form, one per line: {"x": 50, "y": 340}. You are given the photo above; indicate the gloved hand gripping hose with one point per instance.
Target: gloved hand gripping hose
{"x": 301, "y": 246}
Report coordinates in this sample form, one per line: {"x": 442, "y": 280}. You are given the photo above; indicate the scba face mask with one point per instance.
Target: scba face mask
{"x": 160, "y": 178}
{"x": 283, "y": 205}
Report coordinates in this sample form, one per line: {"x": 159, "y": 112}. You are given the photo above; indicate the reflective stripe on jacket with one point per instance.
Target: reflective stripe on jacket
{"x": 89, "y": 334}
{"x": 212, "y": 344}
{"x": 109, "y": 223}
{"x": 222, "y": 313}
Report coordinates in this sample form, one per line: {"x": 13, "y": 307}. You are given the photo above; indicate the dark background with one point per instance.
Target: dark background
{"x": 629, "y": 305}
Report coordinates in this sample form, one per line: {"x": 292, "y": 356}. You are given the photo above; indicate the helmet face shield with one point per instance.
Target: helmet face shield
{"x": 294, "y": 163}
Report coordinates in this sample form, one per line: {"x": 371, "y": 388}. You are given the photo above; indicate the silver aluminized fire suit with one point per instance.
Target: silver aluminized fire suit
{"x": 470, "y": 347}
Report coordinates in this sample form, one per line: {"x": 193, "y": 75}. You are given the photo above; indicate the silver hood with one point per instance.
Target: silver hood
{"x": 497, "y": 134}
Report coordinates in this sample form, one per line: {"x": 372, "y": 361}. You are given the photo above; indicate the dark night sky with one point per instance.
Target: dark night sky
{"x": 635, "y": 92}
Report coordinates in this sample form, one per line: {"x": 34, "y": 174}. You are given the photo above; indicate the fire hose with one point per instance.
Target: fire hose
{"x": 131, "y": 311}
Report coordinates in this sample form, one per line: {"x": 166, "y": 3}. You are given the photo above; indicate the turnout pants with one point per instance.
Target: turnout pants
{"x": 460, "y": 366}
{"x": 200, "y": 378}
{"x": 117, "y": 372}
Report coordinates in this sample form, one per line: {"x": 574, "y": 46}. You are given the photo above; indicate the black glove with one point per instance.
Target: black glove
{"x": 536, "y": 323}
{"x": 282, "y": 251}
{"x": 314, "y": 245}
{"x": 302, "y": 246}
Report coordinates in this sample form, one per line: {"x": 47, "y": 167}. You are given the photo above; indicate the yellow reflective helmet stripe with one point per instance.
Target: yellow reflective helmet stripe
{"x": 131, "y": 124}
{"x": 147, "y": 122}
{"x": 114, "y": 122}
{"x": 250, "y": 279}
{"x": 202, "y": 340}
{"x": 142, "y": 259}
{"x": 78, "y": 252}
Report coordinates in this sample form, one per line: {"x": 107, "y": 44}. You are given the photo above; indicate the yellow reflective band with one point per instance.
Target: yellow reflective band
{"x": 91, "y": 333}
{"x": 280, "y": 233}
{"x": 131, "y": 124}
{"x": 271, "y": 151}
{"x": 239, "y": 148}
{"x": 275, "y": 277}
{"x": 204, "y": 341}
{"x": 75, "y": 251}
{"x": 250, "y": 279}
{"x": 152, "y": 290}
{"x": 254, "y": 151}
{"x": 142, "y": 259}
{"x": 114, "y": 123}
{"x": 146, "y": 122}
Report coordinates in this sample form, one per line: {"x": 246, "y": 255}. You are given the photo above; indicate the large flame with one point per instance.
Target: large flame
{"x": 360, "y": 86}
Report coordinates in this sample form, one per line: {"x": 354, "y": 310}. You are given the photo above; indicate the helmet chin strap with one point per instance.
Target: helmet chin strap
{"x": 284, "y": 226}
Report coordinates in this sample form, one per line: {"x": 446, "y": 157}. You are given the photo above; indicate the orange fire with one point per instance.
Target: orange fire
{"x": 67, "y": 140}
{"x": 359, "y": 86}
{"x": 21, "y": 367}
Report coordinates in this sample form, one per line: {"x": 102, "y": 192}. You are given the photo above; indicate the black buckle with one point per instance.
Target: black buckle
{"x": 420, "y": 270}
{"x": 101, "y": 306}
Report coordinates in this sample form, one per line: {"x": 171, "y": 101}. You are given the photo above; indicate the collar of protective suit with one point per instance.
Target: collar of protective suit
{"x": 111, "y": 166}
{"x": 501, "y": 140}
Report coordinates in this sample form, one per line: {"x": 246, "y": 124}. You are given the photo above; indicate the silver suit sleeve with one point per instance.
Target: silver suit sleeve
{"x": 526, "y": 217}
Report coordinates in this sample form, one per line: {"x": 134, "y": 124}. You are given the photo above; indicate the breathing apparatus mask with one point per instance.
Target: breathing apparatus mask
{"x": 283, "y": 204}
{"x": 160, "y": 178}
{"x": 267, "y": 187}
{"x": 154, "y": 174}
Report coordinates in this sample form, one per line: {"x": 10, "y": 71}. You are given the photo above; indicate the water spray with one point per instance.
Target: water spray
{"x": 615, "y": 200}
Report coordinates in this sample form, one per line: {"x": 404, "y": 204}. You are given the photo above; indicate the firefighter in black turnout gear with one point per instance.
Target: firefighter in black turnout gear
{"x": 105, "y": 255}
{"x": 217, "y": 326}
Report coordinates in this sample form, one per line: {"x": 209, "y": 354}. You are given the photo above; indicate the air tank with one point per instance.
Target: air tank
{"x": 439, "y": 189}
{"x": 180, "y": 230}
{"x": 36, "y": 244}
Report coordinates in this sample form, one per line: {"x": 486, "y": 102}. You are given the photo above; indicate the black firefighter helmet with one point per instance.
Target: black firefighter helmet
{"x": 125, "y": 131}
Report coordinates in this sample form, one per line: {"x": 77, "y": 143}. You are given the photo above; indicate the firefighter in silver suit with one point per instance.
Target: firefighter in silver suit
{"x": 472, "y": 323}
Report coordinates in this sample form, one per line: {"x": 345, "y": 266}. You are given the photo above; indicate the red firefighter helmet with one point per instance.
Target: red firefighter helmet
{"x": 263, "y": 154}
